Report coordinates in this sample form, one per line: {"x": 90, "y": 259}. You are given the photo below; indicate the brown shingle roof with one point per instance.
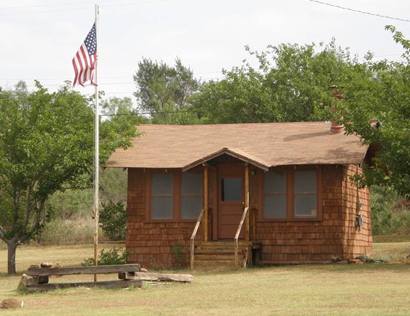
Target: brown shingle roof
{"x": 266, "y": 144}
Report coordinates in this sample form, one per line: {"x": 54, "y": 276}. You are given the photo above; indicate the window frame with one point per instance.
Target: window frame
{"x": 179, "y": 196}
{"x": 149, "y": 195}
{"x": 262, "y": 203}
{"x": 290, "y": 195}
{"x": 318, "y": 215}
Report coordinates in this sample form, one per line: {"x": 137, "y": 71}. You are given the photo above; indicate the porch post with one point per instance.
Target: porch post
{"x": 247, "y": 223}
{"x": 205, "y": 202}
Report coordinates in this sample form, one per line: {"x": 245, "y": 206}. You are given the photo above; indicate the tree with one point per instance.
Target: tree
{"x": 163, "y": 90}
{"x": 290, "y": 83}
{"x": 46, "y": 145}
{"x": 113, "y": 218}
{"x": 77, "y": 202}
{"x": 119, "y": 112}
{"x": 382, "y": 94}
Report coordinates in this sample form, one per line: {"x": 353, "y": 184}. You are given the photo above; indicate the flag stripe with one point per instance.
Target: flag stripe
{"x": 85, "y": 60}
{"x": 75, "y": 72}
{"x": 86, "y": 65}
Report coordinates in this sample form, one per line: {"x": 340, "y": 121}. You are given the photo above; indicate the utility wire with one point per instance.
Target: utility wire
{"x": 360, "y": 11}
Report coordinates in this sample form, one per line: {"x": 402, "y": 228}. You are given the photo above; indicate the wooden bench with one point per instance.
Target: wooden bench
{"x": 130, "y": 275}
{"x": 37, "y": 277}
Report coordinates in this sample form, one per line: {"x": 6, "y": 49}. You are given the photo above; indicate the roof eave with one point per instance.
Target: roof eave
{"x": 230, "y": 152}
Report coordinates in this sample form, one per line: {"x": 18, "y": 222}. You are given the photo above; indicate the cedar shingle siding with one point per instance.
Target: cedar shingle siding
{"x": 334, "y": 234}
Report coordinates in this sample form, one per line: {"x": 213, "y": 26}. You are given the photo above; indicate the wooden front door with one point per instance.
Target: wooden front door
{"x": 230, "y": 199}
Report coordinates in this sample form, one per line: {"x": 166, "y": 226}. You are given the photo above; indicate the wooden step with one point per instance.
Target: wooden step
{"x": 214, "y": 264}
{"x": 219, "y": 253}
{"x": 214, "y": 257}
{"x": 218, "y": 245}
{"x": 224, "y": 243}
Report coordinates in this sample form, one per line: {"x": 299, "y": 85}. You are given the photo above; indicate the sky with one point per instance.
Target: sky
{"x": 40, "y": 37}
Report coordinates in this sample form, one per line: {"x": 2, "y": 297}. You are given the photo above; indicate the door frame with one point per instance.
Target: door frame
{"x": 236, "y": 169}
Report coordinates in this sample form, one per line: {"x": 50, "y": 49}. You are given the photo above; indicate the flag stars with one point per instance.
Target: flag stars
{"x": 91, "y": 41}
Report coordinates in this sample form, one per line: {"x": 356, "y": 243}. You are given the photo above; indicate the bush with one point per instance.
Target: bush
{"x": 389, "y": 215}
{"x": 113, "y": 219}
{"x": 109, "y": 257}
{"x": 178, "y": 255}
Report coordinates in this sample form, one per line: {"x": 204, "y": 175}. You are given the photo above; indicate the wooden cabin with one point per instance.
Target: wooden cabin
{"x": 264, "y": 193}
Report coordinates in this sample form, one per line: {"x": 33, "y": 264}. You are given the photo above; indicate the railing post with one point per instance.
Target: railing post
{"x": 192, "y": 253}
{"x": 192, "y": 239}
{"x": 236, "y": 252}
{"x": 247, "y": 202}
{"x": 205, "y": 202}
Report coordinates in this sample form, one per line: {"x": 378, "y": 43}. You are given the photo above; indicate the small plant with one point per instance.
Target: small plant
{"x": 113, "y": 218}
{"x": 178, "y": 254}
{"x": 108, "y": 257}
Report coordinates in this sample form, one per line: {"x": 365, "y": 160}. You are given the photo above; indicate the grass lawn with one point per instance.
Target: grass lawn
{"x": 371, "y": 289}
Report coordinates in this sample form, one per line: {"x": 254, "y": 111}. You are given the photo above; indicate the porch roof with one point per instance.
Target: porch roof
{"x": 261, "y": 144}
{"x": 236, "y": 153}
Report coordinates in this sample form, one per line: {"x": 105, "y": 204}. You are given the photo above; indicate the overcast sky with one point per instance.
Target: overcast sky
{"x": 40, "y": 37}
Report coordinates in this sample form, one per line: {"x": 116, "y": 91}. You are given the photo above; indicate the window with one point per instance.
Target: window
{"x": 305, "y": 193}
{"x": 191, "y": 195}
{"x": 297, "y": 199}
{"x": 231, "y": 189}
{"x": 162, "y": 196}
{"x": 274, "y": 195}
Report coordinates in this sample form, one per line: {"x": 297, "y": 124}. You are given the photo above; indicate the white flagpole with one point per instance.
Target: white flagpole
{"x": 97, "y": 151}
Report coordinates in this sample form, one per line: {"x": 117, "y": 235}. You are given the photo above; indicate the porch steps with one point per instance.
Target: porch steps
{"x": 213, "y": 254}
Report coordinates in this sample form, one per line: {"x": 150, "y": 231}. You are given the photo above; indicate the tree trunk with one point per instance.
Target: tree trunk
{"x": 11, "y": 256}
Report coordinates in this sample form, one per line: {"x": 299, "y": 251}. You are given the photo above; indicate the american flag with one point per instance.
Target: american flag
{"x": 85, "y": 60}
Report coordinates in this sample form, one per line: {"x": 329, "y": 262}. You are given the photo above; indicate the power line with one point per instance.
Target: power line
{"x": 360, "y": 11}
{"x": 67, "y": 6}
{"x": 46, "y": 5}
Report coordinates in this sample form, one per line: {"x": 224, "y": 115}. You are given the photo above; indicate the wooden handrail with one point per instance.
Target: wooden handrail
{"x": 192, "y": 239}
{"x": 238, "y": 232}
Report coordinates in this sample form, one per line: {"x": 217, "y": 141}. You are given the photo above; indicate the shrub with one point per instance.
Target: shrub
{"x": 113, "y": 219}
{"x": 389, "y": 216}
{"x": 178, "y": 255}
{"x": 108, "y": 257}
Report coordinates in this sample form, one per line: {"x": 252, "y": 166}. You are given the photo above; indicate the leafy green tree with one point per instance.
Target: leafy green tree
{"x": 113, "y": 218}
{"x": 382, "y": 94}
{"x": 163, "y": 89}
{"x": 46, "y": 145}
{"x": 290, "y": 83}
{"x": 77, "y": 203}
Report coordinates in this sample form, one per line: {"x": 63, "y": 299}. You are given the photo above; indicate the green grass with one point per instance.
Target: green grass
{"x": 370, "y": 289}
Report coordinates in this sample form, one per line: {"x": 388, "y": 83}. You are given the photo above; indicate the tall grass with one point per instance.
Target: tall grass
{"x": 67, "y": 232}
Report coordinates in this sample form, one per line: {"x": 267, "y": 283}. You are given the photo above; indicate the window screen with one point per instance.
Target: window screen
{"x": 274, "y": 202}
{"x": 191, "y": 195}
{"x": 162, "y": 196}
{"x": 305, "y": 188}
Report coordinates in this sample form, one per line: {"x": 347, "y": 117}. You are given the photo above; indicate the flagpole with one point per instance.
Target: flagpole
{"x": 97, "y": 151}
